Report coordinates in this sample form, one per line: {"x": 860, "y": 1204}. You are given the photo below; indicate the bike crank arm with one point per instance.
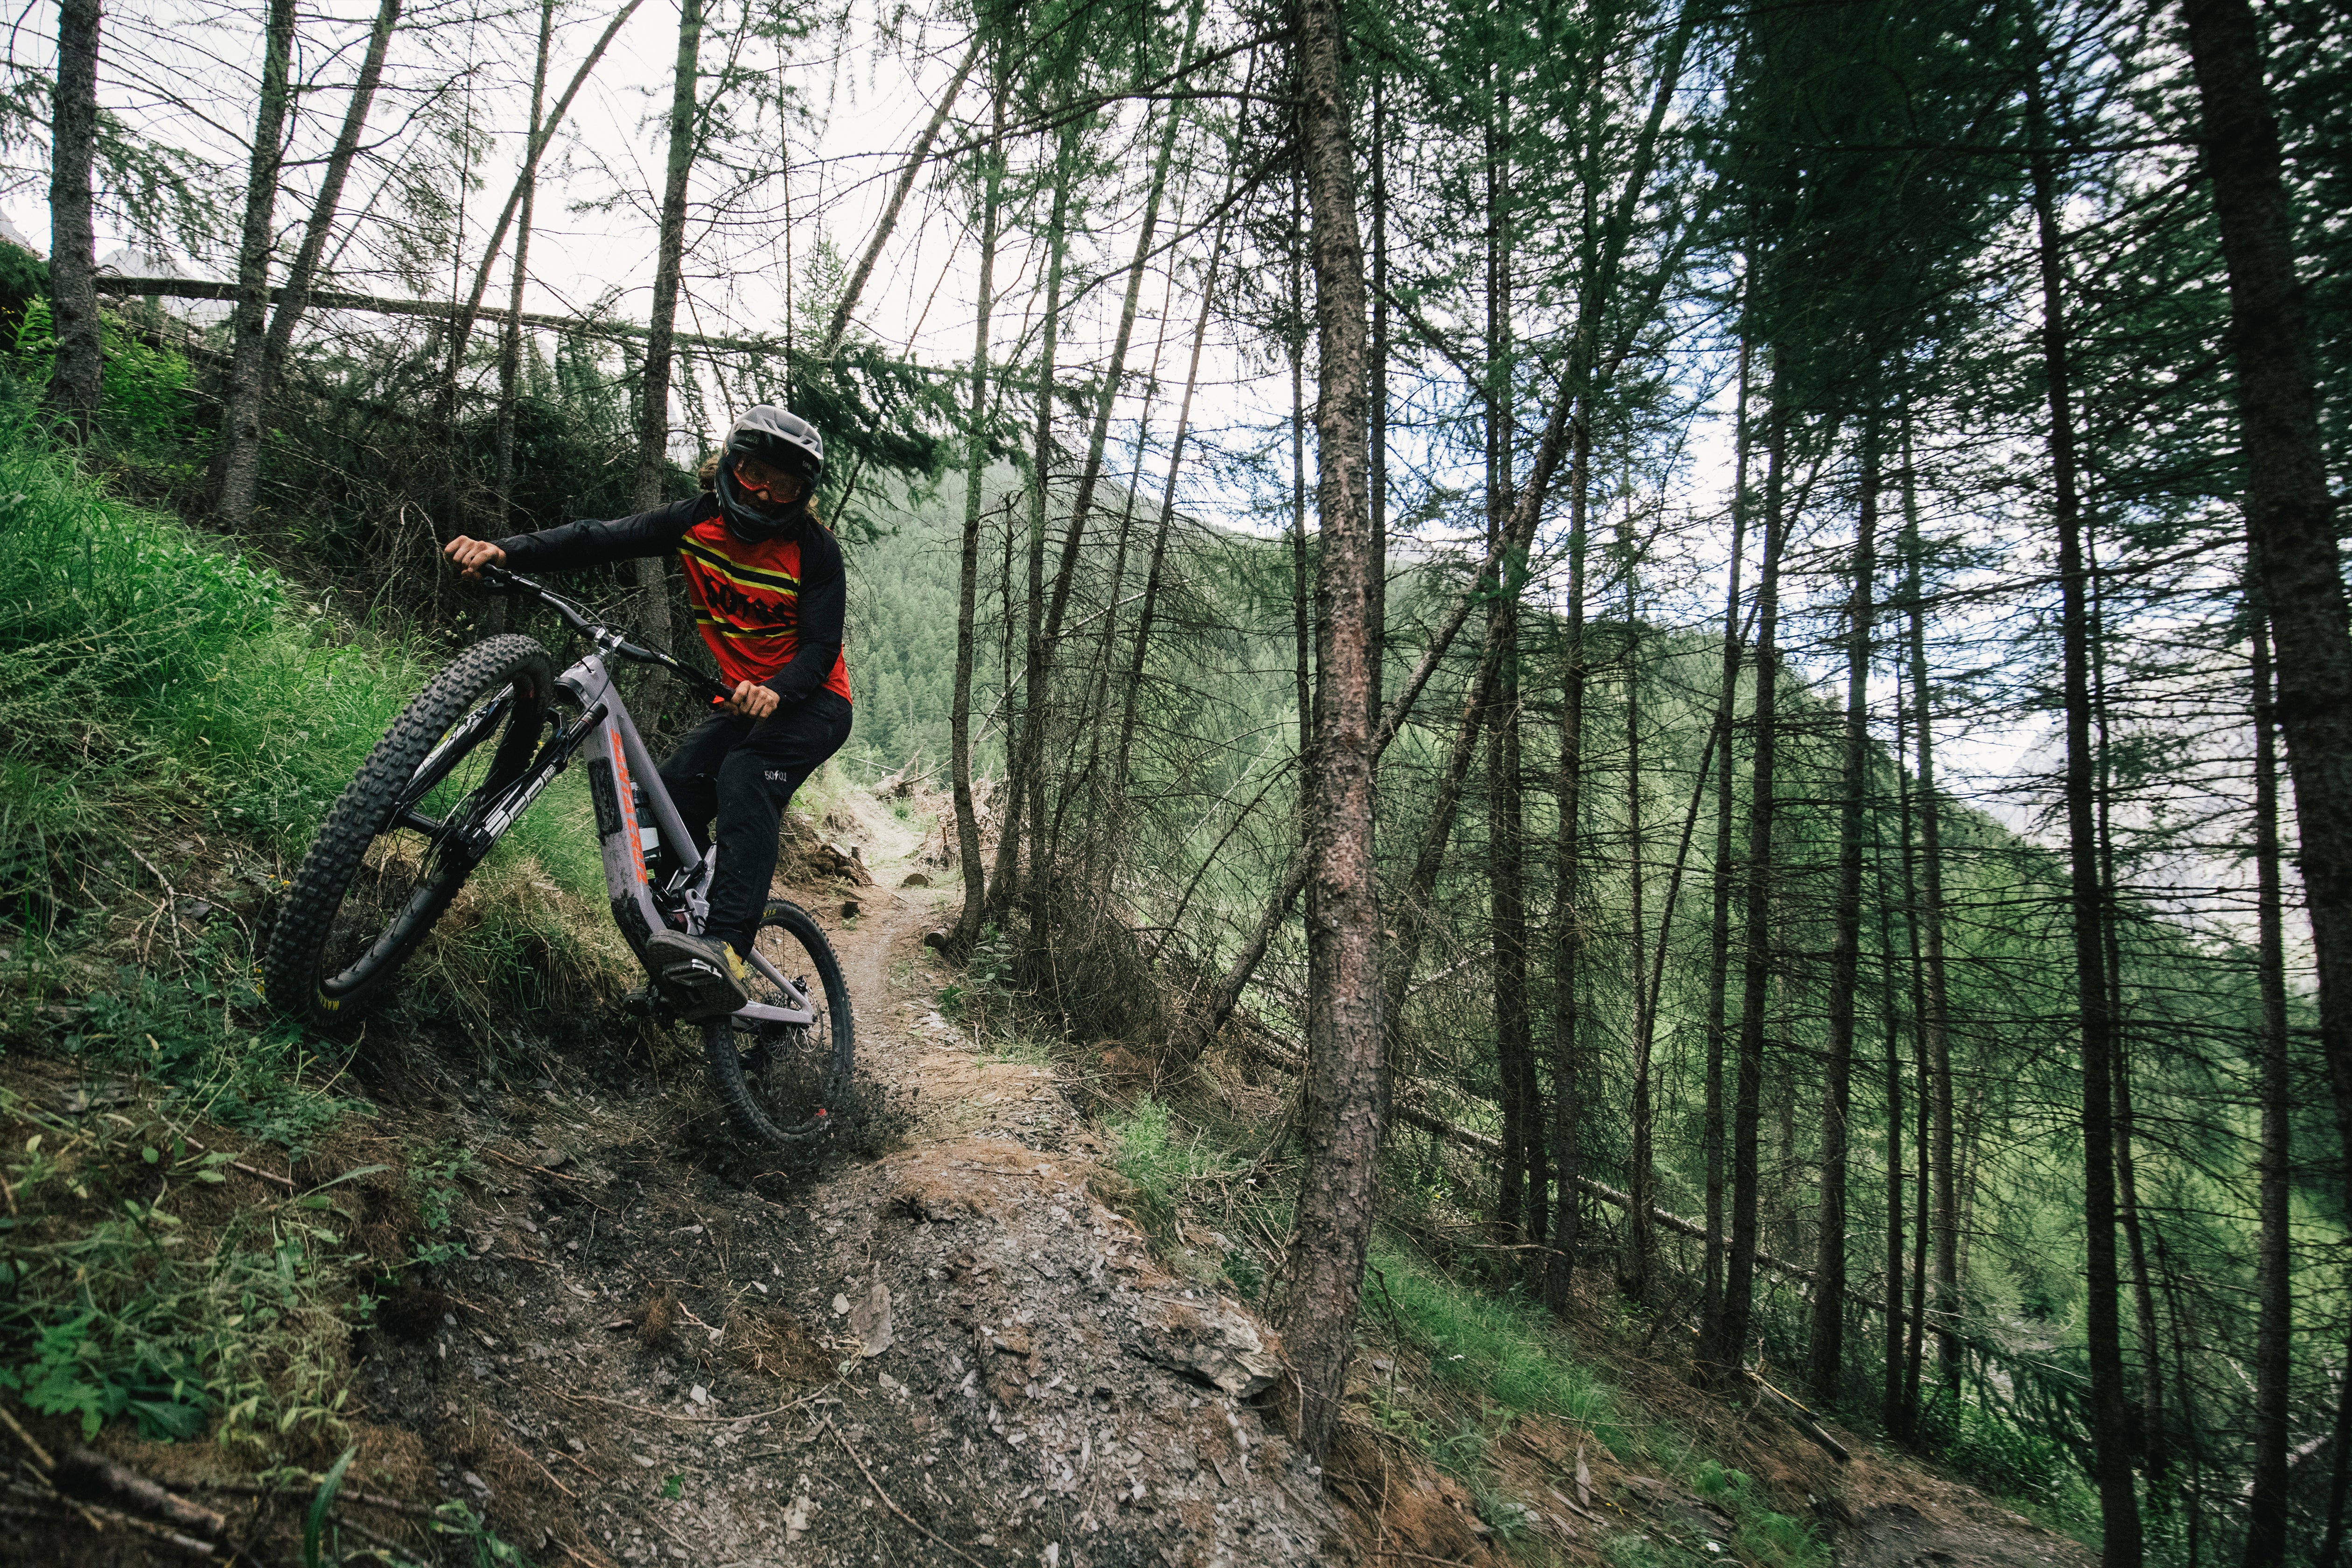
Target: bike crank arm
{"x": 759, "y": 1011}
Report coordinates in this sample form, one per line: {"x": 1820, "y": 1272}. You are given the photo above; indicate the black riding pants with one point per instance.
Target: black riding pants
{"x": 744, "y": 771}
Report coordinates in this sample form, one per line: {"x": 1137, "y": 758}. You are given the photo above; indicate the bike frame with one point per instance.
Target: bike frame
{"x": 620, "y": 769}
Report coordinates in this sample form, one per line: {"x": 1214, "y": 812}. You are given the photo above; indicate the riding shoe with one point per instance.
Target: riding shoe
{"x": 702, "y": 977}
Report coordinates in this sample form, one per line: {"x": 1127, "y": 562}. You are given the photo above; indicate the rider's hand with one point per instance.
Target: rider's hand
{"x": 473, "y": 554}
{"x": 753, "y": 701}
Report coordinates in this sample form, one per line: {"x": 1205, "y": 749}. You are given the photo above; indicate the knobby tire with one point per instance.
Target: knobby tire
{"x": 295, "y": 978}
{"x": 792, "y": 1069}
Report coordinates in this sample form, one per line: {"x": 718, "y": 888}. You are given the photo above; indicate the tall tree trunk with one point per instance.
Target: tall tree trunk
{"x": 1302, "y": 635}
{"x": 1567, "y": 899}
{"x": 1906, "y": 1427}
{"x": 241, "y": 423}
{"x": 1520, "y": 1206}
{"x": 1719, "y": 961}
{"x": 653, "y": 408}
{"x": 838, "y": 326}
{"x": 1935, "y": 1050}
{"x": 2266, "y": 1497}
{"x": 1377, "y": 482}
{"x": 1020, "y": 778}
{"x": 80, "y": 369}
{"x": 510, "y": 342}
{"x": 1827, "y": 1340}
{"x": 1341, "y": 1107}
{"x": 2118, "y": 1500}
{"x": 2290, "y": 522}
{"x": 1892, "y": 1412}
{"x": 1724, "y": 1349}
{"x": 461, "y": 329}
{"x": 1638, "y": 1279}
{"x": 967, "y": 815}
{"x": 295, "y": 295}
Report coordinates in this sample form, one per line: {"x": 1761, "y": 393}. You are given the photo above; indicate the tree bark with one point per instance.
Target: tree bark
{"x": 653, "y": 408}
{"x": 1891, "y": 1407}
{"x": 1718, "y": 965}
{"x": 838, "y": 327}
{"x": 2266, "y": 1499}
{"x": 241, "y": 423}
{"x": 1520, "y": 1206}
{"x": 2118, "y": 1500}
{"x": 461, "y": 329}
{"x": 2290, "y": 518}
{"x": 1724, "y": 1342}
{"x": 80, "y": 373}
{"x": 1341, "y": 1104}
{"x": 295, "y": 295}
{"x": 1302, "y": 633}
{"x": 1567, "y": 899}
{"x": 1639, "y": 1278}
{"x": 967, "y": 816}
{"x": 511, "y": 340}
{"x": 1827, "y": 1340}
{"x": 1377, "y": 482}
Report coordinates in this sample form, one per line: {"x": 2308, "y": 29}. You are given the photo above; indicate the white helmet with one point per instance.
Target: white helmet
{"x": 781, "y": 439}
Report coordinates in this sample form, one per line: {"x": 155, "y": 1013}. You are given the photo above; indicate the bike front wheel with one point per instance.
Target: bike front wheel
{"x": 784, "y": 1084}
{"x": 406, "y": 834}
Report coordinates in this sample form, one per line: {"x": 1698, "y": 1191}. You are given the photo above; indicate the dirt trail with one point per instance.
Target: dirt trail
{"x": 657, "y": 1352}
{"x": 934, "y": 1345}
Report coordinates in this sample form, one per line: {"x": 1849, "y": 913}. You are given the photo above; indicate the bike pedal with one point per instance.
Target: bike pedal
{"x": 646, "y": 1002}
{"x": 699, "y": 991}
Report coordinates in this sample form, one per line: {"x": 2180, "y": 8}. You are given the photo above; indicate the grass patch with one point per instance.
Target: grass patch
{"x": 172, "y": 711}
{"x": 1161, "y": 1162}
{"x": 187, "y": 1037}
{"x": 1507, "y": 1351}
{"x": 137, "y": 1287}
{"x": 152, "y": 681}
{"x": 1762, "y": 1536}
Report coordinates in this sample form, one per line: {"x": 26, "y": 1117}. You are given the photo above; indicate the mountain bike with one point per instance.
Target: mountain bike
{"x": 457, "y": 770}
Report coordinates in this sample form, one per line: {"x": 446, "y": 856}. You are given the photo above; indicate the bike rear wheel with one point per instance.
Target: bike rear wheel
{"x": 401, "y": 840}
{"x": 784, "y": 1084}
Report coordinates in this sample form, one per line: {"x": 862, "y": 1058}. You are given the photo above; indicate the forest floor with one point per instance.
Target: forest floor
{"x": 940, "y": 1344}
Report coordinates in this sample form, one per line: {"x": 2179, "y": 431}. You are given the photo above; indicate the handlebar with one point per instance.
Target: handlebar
{"x": 603, "y": 634}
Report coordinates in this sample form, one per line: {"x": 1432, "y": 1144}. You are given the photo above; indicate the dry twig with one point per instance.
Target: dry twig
{"x": 893, "y": 1506}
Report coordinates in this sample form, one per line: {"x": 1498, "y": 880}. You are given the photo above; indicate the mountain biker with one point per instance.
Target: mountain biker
{"x": 765, "y": 577}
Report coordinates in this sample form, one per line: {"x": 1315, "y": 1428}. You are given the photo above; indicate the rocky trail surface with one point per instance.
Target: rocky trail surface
{"x": 658, "y": 1352}
{"x": 933, "y": 1344}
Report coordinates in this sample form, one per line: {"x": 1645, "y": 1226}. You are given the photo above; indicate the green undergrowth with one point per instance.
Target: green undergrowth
{"x": 191, "y": 1234}
{"x": 2027, "y": 1468}
{"x": 118, "y": 1306}
{"x": 166, "y": 702}
{"x": 1507, "y": 1351}
{"x": 1164, "y": 1162}
{"x": 1761, "y": 1535}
